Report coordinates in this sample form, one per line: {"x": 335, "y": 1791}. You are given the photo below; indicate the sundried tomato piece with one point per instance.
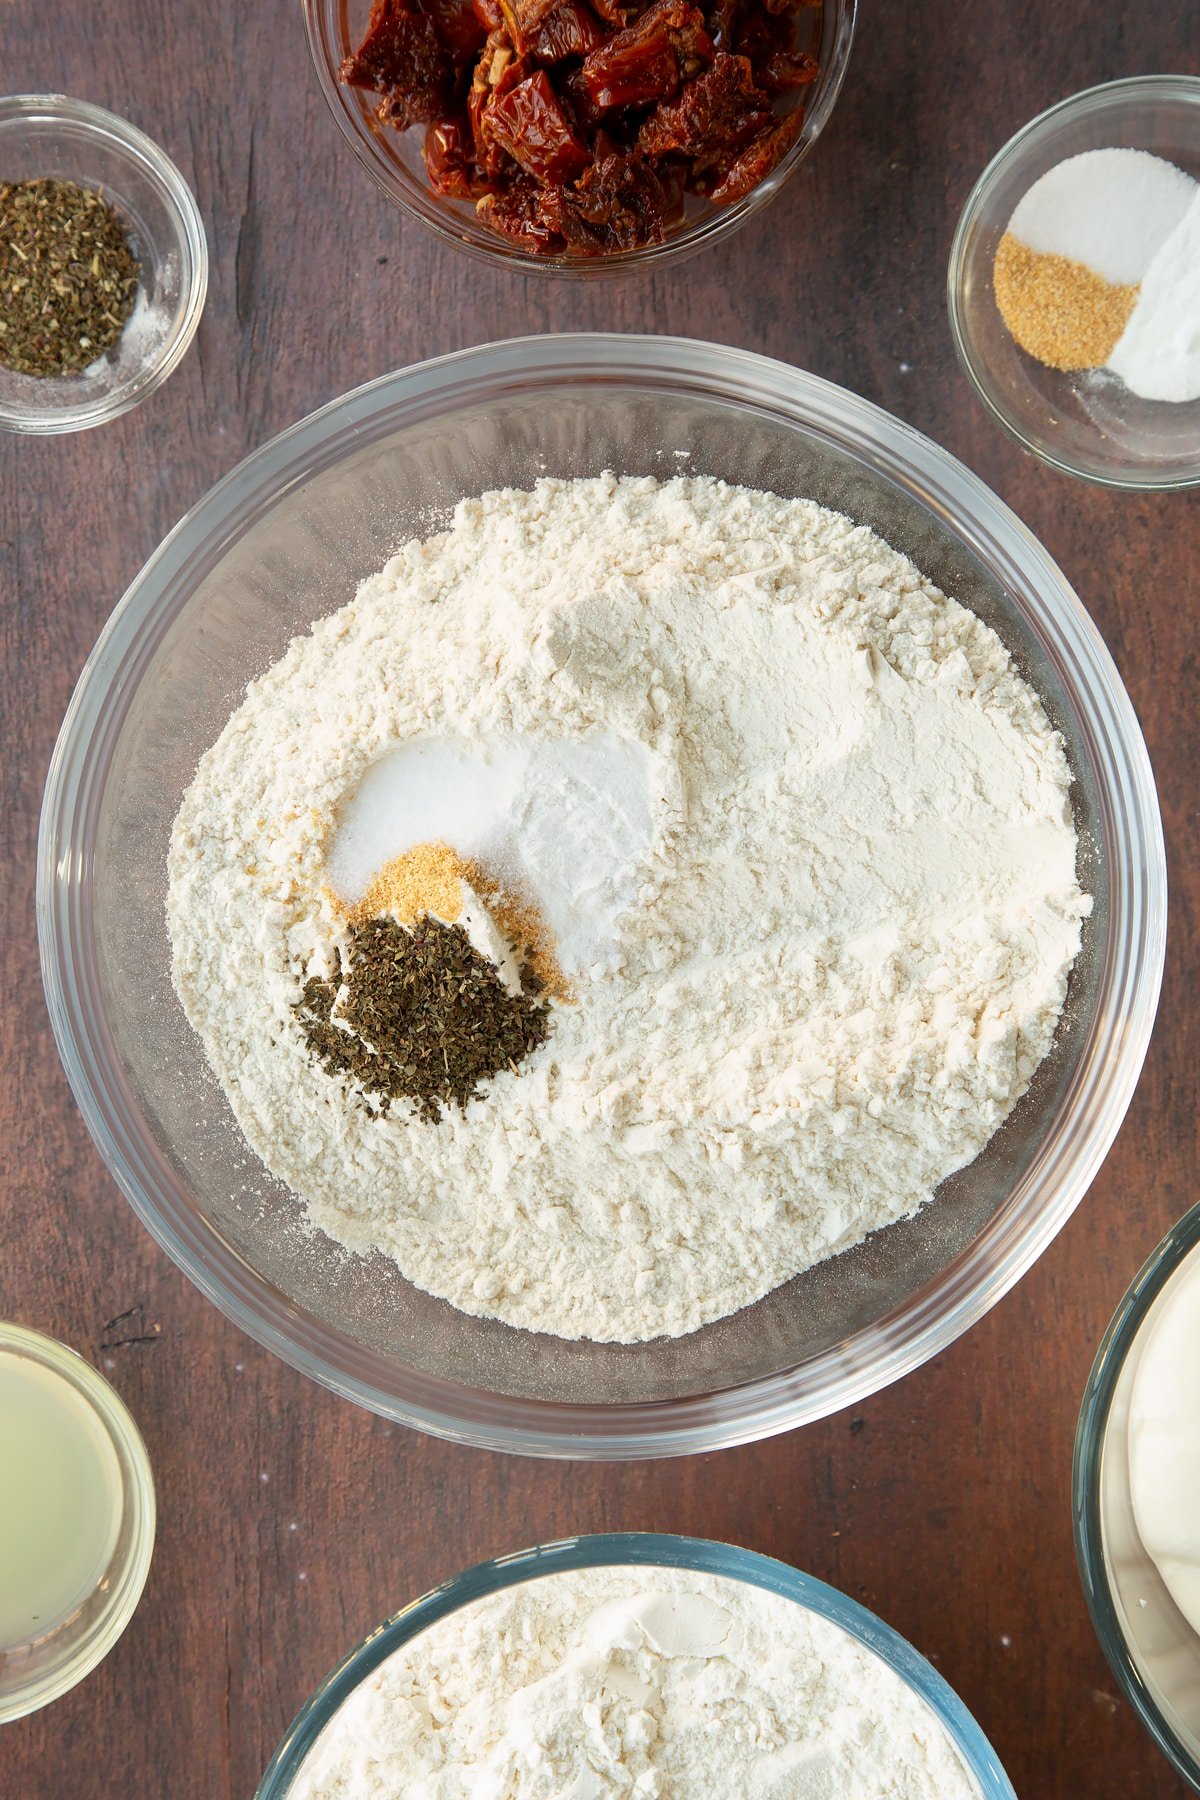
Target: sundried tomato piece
{"x": 422, "y": 98}
{"x": 400, "y": 111}
{"x": 687, "y": 30}
{"x": 720, "y": 109}
{"x": 786, "y": 70}
{"x": 402, "y": 58}
{"x": 574, "y": 89}
{"x": 635, "y": 200}
{"x": 758, "y": 160}
{"x": 378, "y": 61}
{"x": 489, "y": 14}
{"x": 605, "y": 144}
{"x": 499, "y": 68}
{"x": 629, "y": 71}
{"x": 524, "y": 19}
{"x": 572, "y": 29}
{"x": 515, "y": 212}
{"x": 459, "y": 27}
{"x": 555, "y": 217}
{"x": 529, "y": 123}
{"x": 619, "y": 203}
{"x": 693, "y": 46}
{"x": 450, "y": 158}
{"x": 644, "y": 63}
{"x": 722, "y": 18}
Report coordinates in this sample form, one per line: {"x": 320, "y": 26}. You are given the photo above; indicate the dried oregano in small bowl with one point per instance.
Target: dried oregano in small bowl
{"x": 68, "y": 277}
{"x": 103, "y": 265}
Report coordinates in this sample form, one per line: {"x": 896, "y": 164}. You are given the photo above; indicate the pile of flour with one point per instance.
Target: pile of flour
{"x": 849, "y": 940}
{"x": 653, "y": 1684}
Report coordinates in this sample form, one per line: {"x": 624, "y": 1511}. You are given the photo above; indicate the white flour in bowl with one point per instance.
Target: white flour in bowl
{"x": 830, "y": 977}
{"x": 652, "y": 1684}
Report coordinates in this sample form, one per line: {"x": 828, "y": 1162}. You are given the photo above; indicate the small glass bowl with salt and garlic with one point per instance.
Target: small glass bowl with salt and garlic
{"x": 1134, "y": 1492}
{"x": 1074, "y": 284}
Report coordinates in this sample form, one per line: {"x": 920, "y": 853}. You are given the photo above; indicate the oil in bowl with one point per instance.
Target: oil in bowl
{"x": 76, "y": 1519}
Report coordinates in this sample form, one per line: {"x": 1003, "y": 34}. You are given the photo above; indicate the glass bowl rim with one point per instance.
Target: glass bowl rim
{"x": 108, "y": 1407}
{"x": 762, "y": 1406}
{"x": 154, "y": 165}
{"x": 1092, "y": 99}
{"x": 651, "y": 1549}
{"x": 1091, "y": 1432}
{"x": 489, "y": 247}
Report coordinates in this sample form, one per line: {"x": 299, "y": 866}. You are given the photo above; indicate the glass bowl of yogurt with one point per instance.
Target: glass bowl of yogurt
{"x": 285, "y": 540}
{"x": 1138, "y": 217}
{"x": 1135, "y": 1484}
{"x": 636, "y": 1663}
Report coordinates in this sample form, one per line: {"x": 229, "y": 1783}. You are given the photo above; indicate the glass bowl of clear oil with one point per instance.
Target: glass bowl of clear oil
{"x": 76, "y": 1519}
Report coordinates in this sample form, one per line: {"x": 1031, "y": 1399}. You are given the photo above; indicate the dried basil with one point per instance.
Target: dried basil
{"x": 420, "y": 1014}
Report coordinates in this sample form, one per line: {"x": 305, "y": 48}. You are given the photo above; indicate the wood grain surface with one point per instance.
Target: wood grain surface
{"x": 291, "y": 1522}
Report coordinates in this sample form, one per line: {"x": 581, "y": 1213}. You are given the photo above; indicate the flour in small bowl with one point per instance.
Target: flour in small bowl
{"x": 799, "y": 830}
{"x": 640, "y": 1682}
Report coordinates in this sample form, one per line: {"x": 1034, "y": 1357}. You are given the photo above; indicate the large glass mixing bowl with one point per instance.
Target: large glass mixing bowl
{"x": 284, "y": 539}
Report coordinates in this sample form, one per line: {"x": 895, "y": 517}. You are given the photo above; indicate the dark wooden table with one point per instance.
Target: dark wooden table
{"x": 291, "y": 1522}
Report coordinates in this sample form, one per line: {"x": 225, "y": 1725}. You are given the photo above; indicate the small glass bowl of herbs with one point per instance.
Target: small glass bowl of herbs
{"x": 103, "y": 265}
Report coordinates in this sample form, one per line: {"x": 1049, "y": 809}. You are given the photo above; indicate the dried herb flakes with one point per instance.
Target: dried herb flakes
{"x": 68, "y": 279}
{"x": 418, "y": 1013}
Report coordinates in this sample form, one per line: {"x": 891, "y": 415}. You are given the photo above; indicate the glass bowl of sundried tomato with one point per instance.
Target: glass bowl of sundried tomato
{"x": 580, "y": 136}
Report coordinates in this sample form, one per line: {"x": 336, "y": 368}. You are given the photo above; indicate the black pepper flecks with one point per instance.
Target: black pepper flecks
{"x": 422, "y": 1015}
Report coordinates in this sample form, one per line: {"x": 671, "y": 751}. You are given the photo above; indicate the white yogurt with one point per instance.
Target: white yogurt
{"x": 1164, "y": 1439}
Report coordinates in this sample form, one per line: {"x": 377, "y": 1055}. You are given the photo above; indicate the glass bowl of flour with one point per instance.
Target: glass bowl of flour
{"x": 1137, "y": 1532}
{"x": 715, "y": 1269}
{"x": 641, "y": 1664}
